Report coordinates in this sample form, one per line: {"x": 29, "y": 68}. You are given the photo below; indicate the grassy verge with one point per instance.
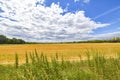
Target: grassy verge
{"x": 38, "y": 67}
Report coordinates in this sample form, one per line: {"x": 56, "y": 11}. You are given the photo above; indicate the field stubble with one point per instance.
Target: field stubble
{"x": 68, "y": 51}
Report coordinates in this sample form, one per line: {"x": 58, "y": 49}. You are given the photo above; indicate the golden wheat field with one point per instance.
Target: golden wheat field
{"x": 68, "y": 51}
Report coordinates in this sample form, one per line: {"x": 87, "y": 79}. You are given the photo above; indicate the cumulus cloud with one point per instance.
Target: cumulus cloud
{"x": 32, "y": 21}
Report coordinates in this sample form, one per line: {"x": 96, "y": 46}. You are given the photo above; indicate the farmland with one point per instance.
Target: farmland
{"x": 90, "y": 61}
{"x": 68, "y": 51}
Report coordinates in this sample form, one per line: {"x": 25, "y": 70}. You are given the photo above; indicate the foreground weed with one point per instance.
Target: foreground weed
{"x": 38, "y": 67}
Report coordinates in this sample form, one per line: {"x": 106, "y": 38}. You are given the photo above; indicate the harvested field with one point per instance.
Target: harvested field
{"x": 68, "y": 51}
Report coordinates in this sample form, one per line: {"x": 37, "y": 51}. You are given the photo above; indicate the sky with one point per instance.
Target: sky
{"x": 60, "y": 20}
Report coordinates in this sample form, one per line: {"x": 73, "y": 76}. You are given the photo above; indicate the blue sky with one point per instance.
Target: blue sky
{"x": 104, "y": 11}
{"x": 60, "y": 20}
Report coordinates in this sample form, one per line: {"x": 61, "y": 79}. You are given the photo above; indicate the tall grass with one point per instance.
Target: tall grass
{"x": 16, "y": 60}
{"x": 38, "y": 67}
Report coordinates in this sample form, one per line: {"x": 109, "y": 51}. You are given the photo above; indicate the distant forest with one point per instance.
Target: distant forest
{"x": 5, "y": 40}
{"x": 112, "y": 40}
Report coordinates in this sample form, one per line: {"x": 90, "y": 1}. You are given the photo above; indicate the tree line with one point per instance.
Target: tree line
{"x": 112, "y": 40}
{"x": 5, "y": 40}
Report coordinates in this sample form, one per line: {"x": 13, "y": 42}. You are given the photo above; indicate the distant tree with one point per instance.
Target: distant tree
{"x": 5, "y": 40}
{"x": 20, "y": 41}
{"x": 112, "y": 40}
{"x": 14, "y": 41}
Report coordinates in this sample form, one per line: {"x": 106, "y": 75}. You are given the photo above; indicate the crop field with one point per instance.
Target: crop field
{"x": 68, "y": 51}
{"x": 60, "y": 61}
{"x": 38, "y": 67}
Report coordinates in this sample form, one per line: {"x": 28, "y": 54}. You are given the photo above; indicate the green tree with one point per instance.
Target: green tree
{"x": 3, "y": 39}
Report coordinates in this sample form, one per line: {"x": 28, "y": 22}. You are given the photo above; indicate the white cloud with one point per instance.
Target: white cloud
{"x": 76, "y": 0}
{"x": 86, "y": 1}
{"x": 23, "y": 19}
{"x": 107, "y": 12}
{"x": 105, "y": 35}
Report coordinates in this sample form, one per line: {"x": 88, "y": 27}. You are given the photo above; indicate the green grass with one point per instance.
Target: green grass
{"x": 38, "y": 67}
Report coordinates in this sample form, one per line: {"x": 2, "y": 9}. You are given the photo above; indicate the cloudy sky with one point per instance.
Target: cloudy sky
{"x": 60, "y": 20}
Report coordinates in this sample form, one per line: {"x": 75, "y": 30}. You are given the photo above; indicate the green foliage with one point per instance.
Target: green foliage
{"x": 5, "y": 40}
{"x": 16, "y": 61}
{"x": 26, "y": 56}
{"x": 40, "y": 68}
{"x": 112, "y": 40}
